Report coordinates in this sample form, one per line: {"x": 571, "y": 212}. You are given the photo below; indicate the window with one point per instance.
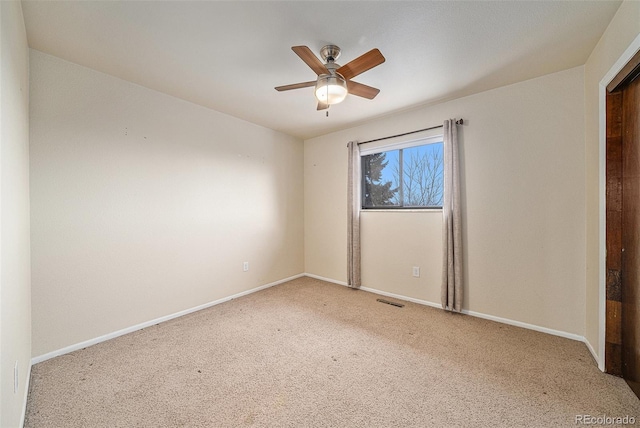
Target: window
{"x": 405, "y": 175}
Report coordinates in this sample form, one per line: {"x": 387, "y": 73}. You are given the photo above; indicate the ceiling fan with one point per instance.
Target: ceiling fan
{"x": 334, "y": 81}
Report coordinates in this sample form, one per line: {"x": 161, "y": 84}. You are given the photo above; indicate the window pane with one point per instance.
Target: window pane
{"x": 422, "y": 181}
{"x": 378, "y": 186}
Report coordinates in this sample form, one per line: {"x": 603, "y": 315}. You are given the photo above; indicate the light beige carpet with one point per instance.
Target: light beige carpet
{"x": 311, "y": 354}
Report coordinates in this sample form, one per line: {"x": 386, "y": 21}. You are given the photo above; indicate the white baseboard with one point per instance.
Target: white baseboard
{"x": 599, "y": 362}
{"x": 322, "y": 278}
{"x": 113, "y": 335}
{"x": 533, "y": 327}
{"x": 84, "y": 344}
{"x": 26, "y": 396}
{"x": 507, "y": 321}
{"x": 401, "y": 297}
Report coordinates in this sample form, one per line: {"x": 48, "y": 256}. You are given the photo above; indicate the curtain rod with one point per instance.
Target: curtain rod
{"x": 458, "y": 122}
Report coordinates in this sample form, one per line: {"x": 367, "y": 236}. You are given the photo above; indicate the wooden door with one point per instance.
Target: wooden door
{"x": 613, "y": 336}
{"x": 630, "y": 277}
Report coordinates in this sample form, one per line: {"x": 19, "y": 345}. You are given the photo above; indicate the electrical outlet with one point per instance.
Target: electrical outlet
{"x": 15, "y": 378}
{"x": 416, "y": 271}
{"x": 245, "y": 266}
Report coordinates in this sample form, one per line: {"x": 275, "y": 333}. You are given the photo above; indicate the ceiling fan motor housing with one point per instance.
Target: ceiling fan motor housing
{"x": 332, "y": 67}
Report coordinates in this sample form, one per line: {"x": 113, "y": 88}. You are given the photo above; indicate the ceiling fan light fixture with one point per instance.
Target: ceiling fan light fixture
{"x": 331, "y": 89}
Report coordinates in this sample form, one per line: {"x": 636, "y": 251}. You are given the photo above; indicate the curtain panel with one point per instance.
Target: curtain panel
{"x": 451, "y": 294}
{"x": 353, "y": 216}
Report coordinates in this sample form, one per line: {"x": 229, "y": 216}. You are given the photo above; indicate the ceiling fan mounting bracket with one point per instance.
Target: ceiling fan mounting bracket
{"x": 330, "y": 53}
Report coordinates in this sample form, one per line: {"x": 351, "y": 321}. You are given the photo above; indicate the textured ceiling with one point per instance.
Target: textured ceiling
{"x": 229, "y": 56}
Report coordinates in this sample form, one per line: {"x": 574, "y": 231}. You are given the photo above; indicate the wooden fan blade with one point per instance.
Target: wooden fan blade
{"x": 361, "y": 64}
{"x": 295, "y": 86}
{"x": 361, "y": 90}
{"x": 322, "y": 106}
{"x": 310, "y": 59}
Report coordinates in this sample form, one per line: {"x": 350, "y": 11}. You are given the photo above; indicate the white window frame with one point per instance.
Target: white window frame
{"x": 423, "y": 141}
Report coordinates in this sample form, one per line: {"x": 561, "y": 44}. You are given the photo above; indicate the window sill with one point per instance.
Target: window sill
{"x": 402, "y": 210}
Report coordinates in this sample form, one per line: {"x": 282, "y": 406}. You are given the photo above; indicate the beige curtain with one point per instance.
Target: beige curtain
{"x": 353, "y": 219}
{"x": 451, "y": 219}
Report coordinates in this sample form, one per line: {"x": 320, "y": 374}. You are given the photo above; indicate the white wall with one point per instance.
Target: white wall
{"x": 144, "y": 205}
{"x": 522, "y": 152}
{"x": 15, "y": 288}
{"x": 621, "y": 32}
